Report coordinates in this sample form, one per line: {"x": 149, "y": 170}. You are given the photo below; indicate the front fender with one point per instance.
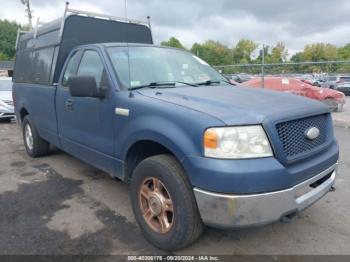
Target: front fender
{"x": 160, "y": 130}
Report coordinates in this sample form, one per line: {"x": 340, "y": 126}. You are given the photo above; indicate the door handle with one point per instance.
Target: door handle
{"x": 69, "y": 104}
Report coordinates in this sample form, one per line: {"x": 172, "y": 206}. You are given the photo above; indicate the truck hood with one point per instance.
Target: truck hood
{"x": 239, "y": 105}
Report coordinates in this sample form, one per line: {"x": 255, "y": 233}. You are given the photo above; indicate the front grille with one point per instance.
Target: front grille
{"x": 293, "y": 138}
{"x": 8, "y": 102}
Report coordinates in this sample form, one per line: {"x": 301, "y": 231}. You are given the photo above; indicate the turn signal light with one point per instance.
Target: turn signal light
{"x": 210, "y": 139}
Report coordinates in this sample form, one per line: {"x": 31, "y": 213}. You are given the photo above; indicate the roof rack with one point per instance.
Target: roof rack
{"x": 68, "y": 10}
{"x": 19, "y": 33}
{"x": 38, "y": 23}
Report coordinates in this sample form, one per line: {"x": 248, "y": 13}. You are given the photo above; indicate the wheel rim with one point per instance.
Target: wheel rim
{"x": 28, "y": 136}
{"x": 156, "y": 205}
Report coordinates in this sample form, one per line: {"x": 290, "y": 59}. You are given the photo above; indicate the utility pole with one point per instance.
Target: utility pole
{"x": 233, "y": 53}
{"x": 263, "y": 66}
{"x": 26, "y": 3}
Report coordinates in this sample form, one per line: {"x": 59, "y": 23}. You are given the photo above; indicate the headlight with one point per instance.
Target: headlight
{"x": 2, "y": 105}
{"x": 236, "y": 142}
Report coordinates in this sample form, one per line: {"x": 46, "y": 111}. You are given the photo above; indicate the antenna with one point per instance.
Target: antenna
{"x": 125, "y": 9}
{"x": 26, "y": 3}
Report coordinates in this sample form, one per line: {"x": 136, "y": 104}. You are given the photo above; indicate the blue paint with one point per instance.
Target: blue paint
{"x": 176, "y": 118}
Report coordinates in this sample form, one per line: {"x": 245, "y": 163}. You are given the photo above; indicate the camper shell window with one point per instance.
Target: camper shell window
{"x": 41, "y": 55}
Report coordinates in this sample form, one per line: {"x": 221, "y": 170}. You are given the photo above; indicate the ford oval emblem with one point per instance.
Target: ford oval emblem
{"x": 312, "y": 133}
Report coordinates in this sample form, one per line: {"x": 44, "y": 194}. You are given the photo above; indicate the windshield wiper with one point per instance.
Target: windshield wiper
{"x": 160, "y": 84}
{"x": 153, "y": 85}
{"x": 207, "y": 83}
{"x": 185, "y": 83}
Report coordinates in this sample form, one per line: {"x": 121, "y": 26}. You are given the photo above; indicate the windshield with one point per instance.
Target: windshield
{"x": 145, "y": 65}
{"x": 5, "y": 85}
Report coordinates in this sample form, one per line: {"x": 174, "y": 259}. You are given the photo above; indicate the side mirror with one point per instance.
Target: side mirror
{"x": 84, "y": 86}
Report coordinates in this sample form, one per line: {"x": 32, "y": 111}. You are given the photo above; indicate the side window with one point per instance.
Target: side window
{"x": 71, "y": 68}
{"x": 91, "y": 65}
{"x": 42, "y": 61}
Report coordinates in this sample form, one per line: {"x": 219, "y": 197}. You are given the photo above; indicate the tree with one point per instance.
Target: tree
{"x": 216, "y": 53}
{"x": 297, "y": 58}
{"x": 8, "y": 34}
{"x": 197, "y": 49}
{"x": 242, "y": 52}
{"x": 173, "y": 42}
{"x": 266, "y": 54}
{"x": 3, "y": 56}
{"x": 320, "y": 52}
{"x": 212, "y": 52}
{"x": 344, "y": 52}
{"x": 279, "y": 53}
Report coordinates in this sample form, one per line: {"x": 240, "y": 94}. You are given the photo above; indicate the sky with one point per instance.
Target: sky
{"x": 294, "y": 22}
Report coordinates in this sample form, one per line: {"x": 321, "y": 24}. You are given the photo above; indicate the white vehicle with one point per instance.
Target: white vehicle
{"x": 6, "y": 101}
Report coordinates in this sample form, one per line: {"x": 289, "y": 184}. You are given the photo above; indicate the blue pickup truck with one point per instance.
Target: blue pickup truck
{"x": 195, "y": 149}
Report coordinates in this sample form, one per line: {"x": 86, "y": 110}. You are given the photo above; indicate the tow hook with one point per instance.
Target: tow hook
{"x": 288, "y": 218}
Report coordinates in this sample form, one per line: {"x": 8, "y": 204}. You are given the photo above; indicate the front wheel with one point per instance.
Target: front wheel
{"x": 34, "y": 144}
{"x": 164, "y": 204}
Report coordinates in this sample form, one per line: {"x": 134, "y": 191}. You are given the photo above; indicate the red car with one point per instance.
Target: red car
{"x": 334, "y": 99}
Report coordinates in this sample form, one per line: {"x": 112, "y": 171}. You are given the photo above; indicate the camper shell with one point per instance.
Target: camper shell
{"x": 41, "y": 53}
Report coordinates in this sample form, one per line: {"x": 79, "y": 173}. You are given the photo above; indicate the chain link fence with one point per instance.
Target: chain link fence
{"x": 316, "y": 69}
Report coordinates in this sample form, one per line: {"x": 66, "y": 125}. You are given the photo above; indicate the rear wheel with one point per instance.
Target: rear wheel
{"x": 34, "y": 144}
{"x": 164, "y": 204}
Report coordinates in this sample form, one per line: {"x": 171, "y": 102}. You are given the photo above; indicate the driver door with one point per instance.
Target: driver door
{"x": 85, "y": 124}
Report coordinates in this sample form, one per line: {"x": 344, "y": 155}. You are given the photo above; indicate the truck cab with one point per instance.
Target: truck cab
{"x": 195, "y": 149}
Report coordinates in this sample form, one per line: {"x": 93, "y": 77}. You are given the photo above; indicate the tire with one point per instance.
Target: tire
{"x": 186, "y": 225}
{"x": 35, "y": 146}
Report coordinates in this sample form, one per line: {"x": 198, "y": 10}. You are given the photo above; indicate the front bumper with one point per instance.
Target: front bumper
{"x": 229, "y": 211}
{"x": 7, "y": 115}
{"x": 6, "y": 111}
